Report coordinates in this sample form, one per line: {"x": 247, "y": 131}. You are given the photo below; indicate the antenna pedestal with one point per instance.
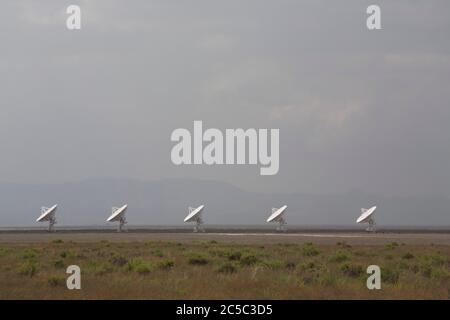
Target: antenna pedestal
{"x": 122, "y": 223}
{"x": 372, "y": 225}
{"x": 51, "y": 223}
{"x": 199, "y": 225}
{"x": 282, "y": 225}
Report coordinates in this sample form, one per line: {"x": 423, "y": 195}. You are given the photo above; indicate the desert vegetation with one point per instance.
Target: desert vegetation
{"x": 215, "y": 270}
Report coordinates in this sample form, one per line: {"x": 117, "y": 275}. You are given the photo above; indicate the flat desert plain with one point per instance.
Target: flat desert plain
{"x": 321, "y": 265}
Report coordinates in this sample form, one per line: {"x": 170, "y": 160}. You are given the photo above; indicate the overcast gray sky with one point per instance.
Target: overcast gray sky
{"x": 357, "y": 109}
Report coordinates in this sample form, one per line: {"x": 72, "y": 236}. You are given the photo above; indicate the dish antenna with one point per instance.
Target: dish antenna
{"x": 195, "y": 215}
{"x": 48, "y": 214}
{"x": 118, "y": 214}
{"x": 278, "y": 216}
{"x": 368, "y": 216}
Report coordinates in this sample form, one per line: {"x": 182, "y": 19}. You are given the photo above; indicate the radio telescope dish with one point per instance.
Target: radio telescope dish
{"x": 48, "y": 214}
{"x": 278, "y": 216}
{"x": 368, "y": 216}
{"x": 118, "y": 214}
{"x": 195, "y": 215}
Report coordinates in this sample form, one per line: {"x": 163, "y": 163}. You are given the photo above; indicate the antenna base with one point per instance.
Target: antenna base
{"x": 199, "y": 225}
{"x": 372, "y": 226}
{"x": 51, "y": 224}
{"x": 282, "y": 225}
{"x": 122, "y": 223}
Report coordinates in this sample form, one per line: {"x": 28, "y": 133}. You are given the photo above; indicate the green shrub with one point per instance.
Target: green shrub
{"x": 408, "y": 256}
{"x": 308, "y": 250}
{"x": 157, "y": 253}
{"x": 231, "y": 255}
{"x": 58, "y": 264}
{"x": 216, "y": 253}
{"x": 309, "y": 278}
{"x": 227, "y": 268}
{"x": 340, "y": 256}
{"x": 140, "y": 266}
{"x": 431, "y": 266}
{"x": 56, "y": 281}
{"x": 99, "y": 268}
{"x": 234, "y": 256}
{"x": 440, "y": 274}
{"x": 272, "y": 264}
{"x": 4, "y": 252}
{"x": 328, "y": 279}
{"x": 352, "y": 271}
{"x": 119, "y": 261}
{"x": 143, "y": 269}
{"x": 198, "y": 260}
{"x": 28, "y": 269}
{"x": 57, "y": 241}
{"x": 415, "y": 268}
{"x": 290, "y": 265}
{"x": 343, "y": 244}
{"x": 29, "y": 254}
{"x": 390, "y": 275}
{"x": 165, "y": 265}
{"x": 434, "y": 259}
{"x": 249, "y": 260}
{"x": 67, "y": 254}
{"x": 391, "y": 245}
{"x": 308, "y": 266}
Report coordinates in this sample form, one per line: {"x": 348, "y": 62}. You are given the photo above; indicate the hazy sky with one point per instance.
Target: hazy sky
{"x": 357, "y": 109}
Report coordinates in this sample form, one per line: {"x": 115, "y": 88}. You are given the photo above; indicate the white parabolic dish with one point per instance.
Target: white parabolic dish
{"x": 118, "y": 214}
{"x": 192, "y": 215}
{"x": 47, "y": 214}
{"x": 366, "y": 214}
{"x": 276, "y": 215}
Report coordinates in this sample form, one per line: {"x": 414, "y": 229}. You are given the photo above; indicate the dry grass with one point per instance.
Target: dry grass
{"x": 212, "y": 270}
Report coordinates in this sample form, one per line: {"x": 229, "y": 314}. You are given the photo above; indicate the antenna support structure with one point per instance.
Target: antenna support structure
{"x": 282, "y": 224}
{"x": 198, "y": 227}
{"x": 372, "y": 225}
{"x": 122, "y": 223}
{"x": 51, "y": 223}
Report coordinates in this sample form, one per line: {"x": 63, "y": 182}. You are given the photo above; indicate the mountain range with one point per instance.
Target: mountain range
{"x": 166, "y": 202}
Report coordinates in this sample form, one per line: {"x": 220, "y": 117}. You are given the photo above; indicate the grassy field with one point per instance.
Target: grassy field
{"x": 215, "y": 270}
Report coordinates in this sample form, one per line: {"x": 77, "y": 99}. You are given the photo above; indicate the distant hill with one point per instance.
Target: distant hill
{"x": 165, "y": 202}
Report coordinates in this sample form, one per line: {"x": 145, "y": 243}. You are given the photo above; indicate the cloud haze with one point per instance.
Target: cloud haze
{"x": 358, "y": 110}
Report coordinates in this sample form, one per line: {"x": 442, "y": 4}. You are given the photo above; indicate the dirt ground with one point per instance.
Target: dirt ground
{"x": 146, "y": 265}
